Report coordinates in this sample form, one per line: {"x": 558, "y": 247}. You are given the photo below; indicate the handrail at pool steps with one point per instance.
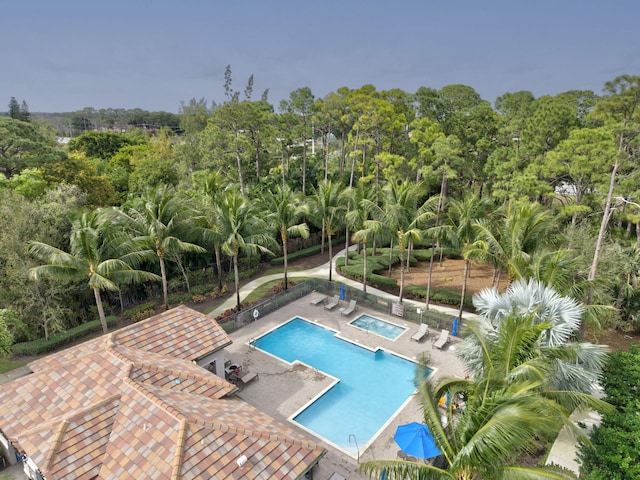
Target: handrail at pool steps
{"x": 355, "y": 440}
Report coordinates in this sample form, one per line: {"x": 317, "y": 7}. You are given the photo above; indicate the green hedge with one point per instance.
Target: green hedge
{"x": 306, "y": 252}
{"x": 37, "y": 347}
{"x": 136, "y": 310}
{"x": 447, "y": 296}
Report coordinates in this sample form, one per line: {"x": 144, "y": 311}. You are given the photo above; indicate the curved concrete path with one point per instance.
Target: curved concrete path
{"x": 323, "y": 272}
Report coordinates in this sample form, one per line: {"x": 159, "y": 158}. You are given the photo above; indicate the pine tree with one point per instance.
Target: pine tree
{"x": 14, "y": 109}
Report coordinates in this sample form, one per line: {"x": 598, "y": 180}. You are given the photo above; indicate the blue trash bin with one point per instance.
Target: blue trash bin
{"x": 454, "y": 328}
{"x": 342, "y": 292}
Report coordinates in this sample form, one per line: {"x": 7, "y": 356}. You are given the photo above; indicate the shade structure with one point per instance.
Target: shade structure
{"x": 416, "y": 439}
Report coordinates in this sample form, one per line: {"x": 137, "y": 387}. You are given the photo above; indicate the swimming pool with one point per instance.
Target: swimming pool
{"x": 371, "y": 386}
{"x": 380, "y": 327}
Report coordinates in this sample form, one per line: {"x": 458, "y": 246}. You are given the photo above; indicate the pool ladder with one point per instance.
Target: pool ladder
{"x": 355, "y": 440}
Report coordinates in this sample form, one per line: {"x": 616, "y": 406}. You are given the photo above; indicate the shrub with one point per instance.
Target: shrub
{"x": 447, "y": 296}
{"x": 616, "y": 441}
{"x": 178, "y": 298}
{"x": 135, "y": 311}
{"x": 307, "y": 252}
{"x": 37, "y": 347}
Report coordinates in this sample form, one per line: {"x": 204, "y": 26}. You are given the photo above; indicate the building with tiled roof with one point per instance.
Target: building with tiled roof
{"x": 136, "y": 403}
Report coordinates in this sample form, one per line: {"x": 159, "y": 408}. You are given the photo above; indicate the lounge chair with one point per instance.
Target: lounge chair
{"x": 337, "y": 476}
{"x": 333, "y": 303}
{"x": 442, "y": 340}
{"x": 241, "y": 378}
{"x": 318, "y": 300}
{"x": 350, "y": 309}
{"x": 422, "y": 332}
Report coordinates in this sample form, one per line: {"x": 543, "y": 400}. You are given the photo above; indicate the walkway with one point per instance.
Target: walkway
{"x": 323, "y": 272}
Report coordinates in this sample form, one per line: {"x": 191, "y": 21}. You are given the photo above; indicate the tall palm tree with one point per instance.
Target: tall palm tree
{"x": 357, "y": 210}
{"x": 507, "y": 410}
{"x": 458, "y": 230}
{"x": 242, "y": 229}
{"x": 363, "y": 235}
{"x": 399, "y": 216}
{"x": 160, "y": 223}
{"x": 328, "y": 208}
{"x": 91, "y": 256}
{"x": 209, "y": 192}
{"x": 283, "y": 209}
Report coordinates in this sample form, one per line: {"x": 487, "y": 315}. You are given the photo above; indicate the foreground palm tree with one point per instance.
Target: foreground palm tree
{"x": 580, "y": 371}
{"x": 92, "y": 256}
{"x": 283, "y": 209}
{"x": 506, "y": 412}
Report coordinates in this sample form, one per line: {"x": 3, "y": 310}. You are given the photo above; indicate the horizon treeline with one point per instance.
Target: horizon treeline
{"x": 574, "y": 155}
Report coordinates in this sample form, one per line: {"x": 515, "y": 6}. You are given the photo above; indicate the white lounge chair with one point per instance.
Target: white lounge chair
{"x": 422, "y": 332}
{"x": 350, "y": 309}
{"x": 442, "y": 340}
{"x": 318, "y": 300}
{"x": 333, "y": 303}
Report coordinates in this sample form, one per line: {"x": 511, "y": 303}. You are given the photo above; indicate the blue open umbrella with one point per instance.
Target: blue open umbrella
{"x": 416, "y": 439}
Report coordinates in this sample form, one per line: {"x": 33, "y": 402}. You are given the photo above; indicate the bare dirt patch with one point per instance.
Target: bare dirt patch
{"x": 449, "y": 274}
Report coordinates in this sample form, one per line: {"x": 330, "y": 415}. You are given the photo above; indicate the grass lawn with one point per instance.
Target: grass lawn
{"x": 264, "y": 290}
{"x": 6, "y": 365}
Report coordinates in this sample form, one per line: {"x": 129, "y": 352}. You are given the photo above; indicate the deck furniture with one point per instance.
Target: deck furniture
{"x": 350, "y": 309}
{"x": 422, "y": 332}
{"x": 333, "y": 303}
{"x": 318, "y": 300}
{"x": 442, "y": 340}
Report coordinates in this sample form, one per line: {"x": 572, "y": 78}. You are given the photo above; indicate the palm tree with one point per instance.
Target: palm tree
{"x": 242, "y": 229}
{"x": 543, "y": 304}
{"x": 160, "y": 224}
{"x": 327, "y": 208}
{"x": 520, "y": 231}
{"x": 357, "y": 212}
{"x": 90, "y": 257}
{"x": 459, "y": 231}
{"x": 507, "y": 409}
{"x": 363, "y": 236}
{"x": 284, "y": 208}
{"x": 399, "y": 216}
{"x": 210, "y": 190}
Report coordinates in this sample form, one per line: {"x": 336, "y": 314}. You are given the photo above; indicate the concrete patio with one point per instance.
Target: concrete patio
{"x": 282, "y": 389}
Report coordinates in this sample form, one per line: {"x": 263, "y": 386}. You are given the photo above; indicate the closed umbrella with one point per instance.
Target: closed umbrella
{"x": 416, "y": 439}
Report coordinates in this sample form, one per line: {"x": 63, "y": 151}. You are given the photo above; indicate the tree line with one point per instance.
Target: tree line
{"x": 535, "y": 186}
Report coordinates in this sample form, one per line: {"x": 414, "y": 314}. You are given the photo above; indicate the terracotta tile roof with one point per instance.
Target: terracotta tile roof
{"x": 180, "y": 332}
{"x": 111, "y": 409}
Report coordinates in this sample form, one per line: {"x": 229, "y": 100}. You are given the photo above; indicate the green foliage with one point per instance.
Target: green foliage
{"x": 178, "y": 298}
{"x": 446, "y": 296}
{"x": 135, "y": 311}
{"x": 7, "y": 317}
{"x": 306, "y": 252}
{"x": 38, "y": 347}
{"x": 616, "y": 441}
{"x": 243, "y": 273}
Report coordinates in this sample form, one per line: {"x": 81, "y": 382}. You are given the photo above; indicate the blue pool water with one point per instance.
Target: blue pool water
{"x": 380, "y": 327}
{"x": 371, "y": 388}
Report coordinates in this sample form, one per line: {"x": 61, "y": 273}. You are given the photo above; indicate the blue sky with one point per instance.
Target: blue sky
{"x": 66, "y": 55}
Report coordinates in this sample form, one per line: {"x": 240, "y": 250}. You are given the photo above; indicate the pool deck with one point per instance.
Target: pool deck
{"x": 283, "y": 389}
